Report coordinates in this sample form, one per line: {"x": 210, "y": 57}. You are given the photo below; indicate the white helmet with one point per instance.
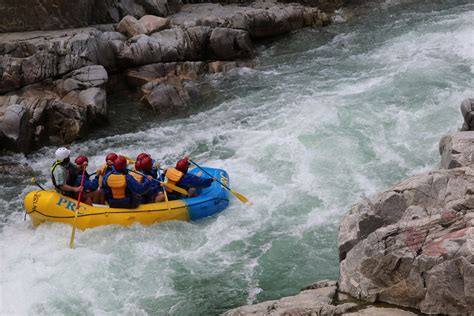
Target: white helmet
{"x": 62, "y": 153}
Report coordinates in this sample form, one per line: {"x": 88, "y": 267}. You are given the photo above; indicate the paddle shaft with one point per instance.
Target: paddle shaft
{"x": 164, "y": 191}
{"x": 210, "y": 175}
{"x": 39, "y": 185}
{"x": 71, "y": 242}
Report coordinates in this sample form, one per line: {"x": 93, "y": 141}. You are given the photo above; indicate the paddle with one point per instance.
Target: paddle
{"x": 169, "y": 185}
{"x": 129, "y": 160}
{"x": 242, "y": 198}
{"x": 71, "y": 242}
{"x": 39, "y": 185}
{"x": 164, "y": 191}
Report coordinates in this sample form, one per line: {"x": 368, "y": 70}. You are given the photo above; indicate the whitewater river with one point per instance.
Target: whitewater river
{"x": 327, "y": 116}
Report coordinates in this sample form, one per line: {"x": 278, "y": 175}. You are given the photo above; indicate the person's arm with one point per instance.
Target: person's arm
{"x": 66, "y": 187}
{"x": 193, "y": 181}
{"x": 138, "y": 187}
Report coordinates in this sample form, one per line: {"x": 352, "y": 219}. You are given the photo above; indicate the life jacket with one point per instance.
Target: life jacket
{"x": 174, "y": 176}
{"x": 71, "y": 174}
{"x": 137, "y": 176}
{"x": 118, "y": 185}
{"x": 102, "y": 172}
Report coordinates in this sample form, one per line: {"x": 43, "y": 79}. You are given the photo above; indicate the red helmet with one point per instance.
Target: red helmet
{"x": 80, "y": 160}
{"x": 146, "y": 163}
{"x": 111, "y": 157}
{"x": 182, "y": 165}
{"x": 138, "y": 164}
{"x": 120, "y": 163}
{"x": 142, "y": 155}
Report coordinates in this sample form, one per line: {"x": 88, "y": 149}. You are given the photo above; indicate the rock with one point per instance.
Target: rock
{"x": 14, "y": 168}
{"x": 130, "y": 26}
{"x": 413, "y": 245}
{"x": 153, "y": 23}
{"x": 318, "y": 301}
{"x": 32, "y": 57}
{"x": 15, "y": 132}
{"x": 166, "y": 98}
{"x": 230, "y": 44}
{"x": 457, "y": 150}
{"x": 467, "y": 110}
{"x": 376, "y": 311}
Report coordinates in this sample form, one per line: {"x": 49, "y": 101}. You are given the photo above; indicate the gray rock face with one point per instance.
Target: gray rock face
{"x": 457, "y": 150}
{"x": 32, "y": 15}
{"x": 413, "y": 245}
{"x": 167, "y": 98}
{"x": 130, "y": 26}
{"x": 230, "y": 44}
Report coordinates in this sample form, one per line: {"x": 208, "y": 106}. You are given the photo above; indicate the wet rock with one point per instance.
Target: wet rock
{"x": 14, "y": 168}
{"x": 153, "y": 23}
{"x": 130, "y": 26}
{"x": 230, "y": 44}
{"x": 376, "y": 311}
{"x": 412, "y": 245}
{"x": 167, "y": 98}
{"x": 457, "y": 150}
{"x": 467, "y": 110}
{"x": 317, "y": 300}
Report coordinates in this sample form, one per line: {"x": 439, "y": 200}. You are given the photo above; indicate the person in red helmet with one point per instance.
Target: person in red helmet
{"x": 106, "y": 168}
{"x": 180, "y": 177}
{"x": 121, "y": 189}
{"x": 90, "y": 194}
{"x": 146, "y": 165}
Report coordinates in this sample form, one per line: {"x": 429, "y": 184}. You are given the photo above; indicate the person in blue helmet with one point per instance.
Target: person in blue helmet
{"x": 180, "y": 177}
{"x": 121, "y": 189}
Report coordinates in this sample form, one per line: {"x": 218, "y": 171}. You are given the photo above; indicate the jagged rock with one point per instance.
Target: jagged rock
{"x": 229, "y": 44}
{"x": 54, "y": 112}
{"x": 457, "y": 150}
{"x": 377, "y": 311}
{"x": 413, "y": 245}
{"x": 224, "y": 66}
{"x": 467, "y": 110}
{"x": 153, "y": 23}
{"x": 318, "y": 301}
{"x": 131, "y": 27}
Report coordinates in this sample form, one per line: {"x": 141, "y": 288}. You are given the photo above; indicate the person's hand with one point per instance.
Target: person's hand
{"x": 186, "y": 157}
{"x": 150, "y": 178}
{"x": 214, "y": 179}
{"x": 79, "y": 188}
{"x": 98, "y": 173}
{"x": 156, "y": 165}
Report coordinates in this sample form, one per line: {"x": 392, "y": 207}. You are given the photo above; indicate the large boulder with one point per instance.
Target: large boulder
{"x": 230, "y": 44}
{"x": 15, "y": 132}
{"x": 413, "y": 245}
{"x": 130, "y": 26}
{"x": 153, "y": 23}
{"x": 167, "y": 98}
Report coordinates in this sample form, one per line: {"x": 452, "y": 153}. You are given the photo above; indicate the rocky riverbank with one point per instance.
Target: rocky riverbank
{"x": 411, "y": 245}
{"x": 54, "y": 83}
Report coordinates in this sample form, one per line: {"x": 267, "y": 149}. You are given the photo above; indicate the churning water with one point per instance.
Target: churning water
{"x": 328, "y": 116}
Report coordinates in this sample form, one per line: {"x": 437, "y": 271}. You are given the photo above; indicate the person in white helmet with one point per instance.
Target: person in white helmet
{"x": 64, "y": 173}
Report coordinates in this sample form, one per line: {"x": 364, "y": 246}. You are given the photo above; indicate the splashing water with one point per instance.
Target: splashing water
{"x": 328, "y": 116}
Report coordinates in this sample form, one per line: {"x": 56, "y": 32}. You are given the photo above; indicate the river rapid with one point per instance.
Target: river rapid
{"x": 327, "y": 117}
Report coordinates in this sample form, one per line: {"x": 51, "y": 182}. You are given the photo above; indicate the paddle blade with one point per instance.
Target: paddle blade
{"x": 242, "y": 198}
{"x": 73, "y": 234}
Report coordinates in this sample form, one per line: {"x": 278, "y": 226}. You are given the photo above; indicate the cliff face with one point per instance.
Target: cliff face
{"x": 32, "y": 15}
